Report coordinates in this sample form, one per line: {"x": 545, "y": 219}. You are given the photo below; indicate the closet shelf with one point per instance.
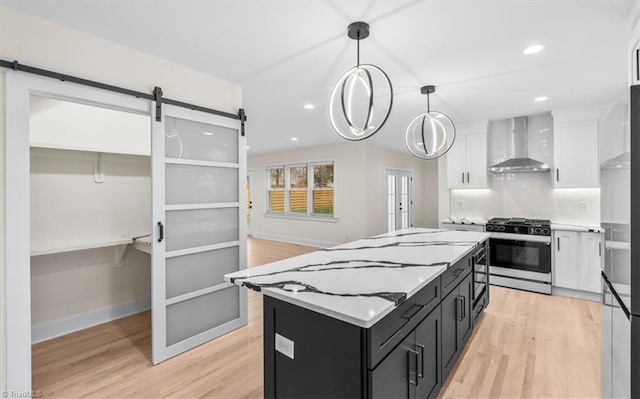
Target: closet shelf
{"x": 143, "y": 244}
{"x": 79, "y": 245}
{"x": 106, "y": 150}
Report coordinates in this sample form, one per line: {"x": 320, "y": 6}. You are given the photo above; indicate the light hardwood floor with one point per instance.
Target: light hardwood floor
{"x": 526, "y": 345}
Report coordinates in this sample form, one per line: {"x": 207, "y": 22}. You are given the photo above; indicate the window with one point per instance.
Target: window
{"x": 302, "y": 189}
{"x": 298, "y": 197}
{"x": 323, "y": 189}
{"x": 276, "y": 189}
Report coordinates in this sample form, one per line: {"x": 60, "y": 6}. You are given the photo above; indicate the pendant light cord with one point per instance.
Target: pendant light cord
{"x": 428, "y": 105}
{"x": 358, "y": 52}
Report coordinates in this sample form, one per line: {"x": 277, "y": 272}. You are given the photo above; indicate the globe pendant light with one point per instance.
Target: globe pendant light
{"x": 430, "y": 134}
{"x": 361, "y": 99}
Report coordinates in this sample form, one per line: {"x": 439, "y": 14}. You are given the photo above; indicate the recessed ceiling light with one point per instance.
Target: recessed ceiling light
{"x": 540, "y": 99}
{"x": 294, "y": 139}
{"x": 309, "y": 106}
{"x": 536, "y": 48}
{"x": 248, "y": 147}
{"x": 208, "y": 133}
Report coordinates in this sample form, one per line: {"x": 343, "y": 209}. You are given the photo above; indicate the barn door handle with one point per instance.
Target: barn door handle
{"x": 160, "y": 232}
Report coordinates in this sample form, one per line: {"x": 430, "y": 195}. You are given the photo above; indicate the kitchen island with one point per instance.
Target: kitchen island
{"x": 385, "y": 316}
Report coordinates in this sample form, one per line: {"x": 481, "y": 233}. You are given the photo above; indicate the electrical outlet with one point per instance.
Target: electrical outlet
{"x": 584, "y": 206}
{"x": 284, "y": 346}
{"x": 461, "y": 203}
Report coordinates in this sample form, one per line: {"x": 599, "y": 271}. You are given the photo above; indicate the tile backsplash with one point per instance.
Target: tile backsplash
{"x": 531, "y": 194}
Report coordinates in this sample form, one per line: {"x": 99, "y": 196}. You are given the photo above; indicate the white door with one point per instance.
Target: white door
{"x": 249, "y": 200}
{"x": 199, "y": 229}
{"x": 398, "y": 199}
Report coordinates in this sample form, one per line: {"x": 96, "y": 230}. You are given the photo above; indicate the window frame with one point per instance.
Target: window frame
{"x": 309, "y": 215}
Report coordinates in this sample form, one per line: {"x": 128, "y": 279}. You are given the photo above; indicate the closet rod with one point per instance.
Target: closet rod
{"x": 16, "y": 66}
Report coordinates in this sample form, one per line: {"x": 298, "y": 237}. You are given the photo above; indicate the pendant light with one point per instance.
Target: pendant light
{"x": 361, "y": 99}
{"x": 430, "y": 134}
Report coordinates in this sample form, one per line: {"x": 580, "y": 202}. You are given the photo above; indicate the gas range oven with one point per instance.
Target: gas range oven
{"x": 520, "y": 253}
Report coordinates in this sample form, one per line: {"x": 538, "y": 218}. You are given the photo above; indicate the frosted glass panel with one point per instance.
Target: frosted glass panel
{"x": 194, "y": 316}
{"x": 195, "y": 228}
{"x": 200, "y": 184}
{"x": 200, "y": 141}
{"x": 202, "y": 270}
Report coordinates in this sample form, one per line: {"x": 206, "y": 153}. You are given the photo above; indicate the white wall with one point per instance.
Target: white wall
{"x": 36, "y": 42}
{"x": 40, "y": 43}
{"x": 444, "y": 195}
{"x": 526, "y": 194}
{"x": 359, "y": 178}
{"x": 425, "y": 187}
{"x": 64, "y": 124}
{"x": 68, "y": 207}
{"x": 350, "y": 184}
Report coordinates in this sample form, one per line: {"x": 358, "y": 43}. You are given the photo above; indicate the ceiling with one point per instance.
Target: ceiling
{"x": 286, "y": 54}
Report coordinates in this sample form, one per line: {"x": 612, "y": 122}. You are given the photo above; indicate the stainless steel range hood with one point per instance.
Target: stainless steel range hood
{"x": 520, "y": 161}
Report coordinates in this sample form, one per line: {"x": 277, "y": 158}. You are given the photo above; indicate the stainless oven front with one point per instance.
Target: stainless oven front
{"x": 521, "y": 261}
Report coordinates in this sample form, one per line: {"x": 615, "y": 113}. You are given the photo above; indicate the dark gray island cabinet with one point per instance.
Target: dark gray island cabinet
{"x": 395, "y": 343}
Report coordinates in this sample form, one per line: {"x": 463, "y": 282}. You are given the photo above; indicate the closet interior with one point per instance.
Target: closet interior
{"x": 90, "y": 215}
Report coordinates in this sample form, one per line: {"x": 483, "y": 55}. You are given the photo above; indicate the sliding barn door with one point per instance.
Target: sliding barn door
{"x": 199, "y": 229}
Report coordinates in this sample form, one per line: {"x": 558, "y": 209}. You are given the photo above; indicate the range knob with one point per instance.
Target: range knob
{"x": 500, "y": 228}
{"x": 516, "y": 229}
{"x": 546, "y": 231}
{"x": 537, "y": 230}
{"x": 489, "y": 227}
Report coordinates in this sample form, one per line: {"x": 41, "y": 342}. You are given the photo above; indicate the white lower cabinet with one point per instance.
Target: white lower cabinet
{"x": 591, "y": 262}
{"x": 576, "y": 260}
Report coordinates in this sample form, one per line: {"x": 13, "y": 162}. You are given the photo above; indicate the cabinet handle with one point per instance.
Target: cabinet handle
{"x": 161, "y": 232}
{"x": 468, "y": 179}
{"x": 600, "y": 249}
{"x": 459, "y": 308}
{"x": 410, "y": 370}
{"x": 464, "y": 306}
{"x": 421, "y": 350}
{"x": 408, "y": 315}
{"x": 557, "y": 174}
{"x": 558, "y": 243}
{"x": 638, "y": 64}
{"x": 462, "y": 177}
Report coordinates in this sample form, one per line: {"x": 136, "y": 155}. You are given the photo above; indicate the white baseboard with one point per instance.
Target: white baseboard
{"x": 57, "y": 328}
{"x": 589, "y": 296}
{"x": 294, "y": 240}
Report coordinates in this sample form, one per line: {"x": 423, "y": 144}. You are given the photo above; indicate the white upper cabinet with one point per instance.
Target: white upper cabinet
{"x": 456, "y": 163}
{"x": 575, "y": 143}
{"x": 467, "y": 158}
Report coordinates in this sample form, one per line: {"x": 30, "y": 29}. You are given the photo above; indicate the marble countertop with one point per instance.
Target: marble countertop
{"x": 363, "y": 281}
{"x": 472, "y": 221}
{"x": 576, "y": 227}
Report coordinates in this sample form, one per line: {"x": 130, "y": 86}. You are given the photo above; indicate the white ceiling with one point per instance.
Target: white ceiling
{"x": 289, "y": 53}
